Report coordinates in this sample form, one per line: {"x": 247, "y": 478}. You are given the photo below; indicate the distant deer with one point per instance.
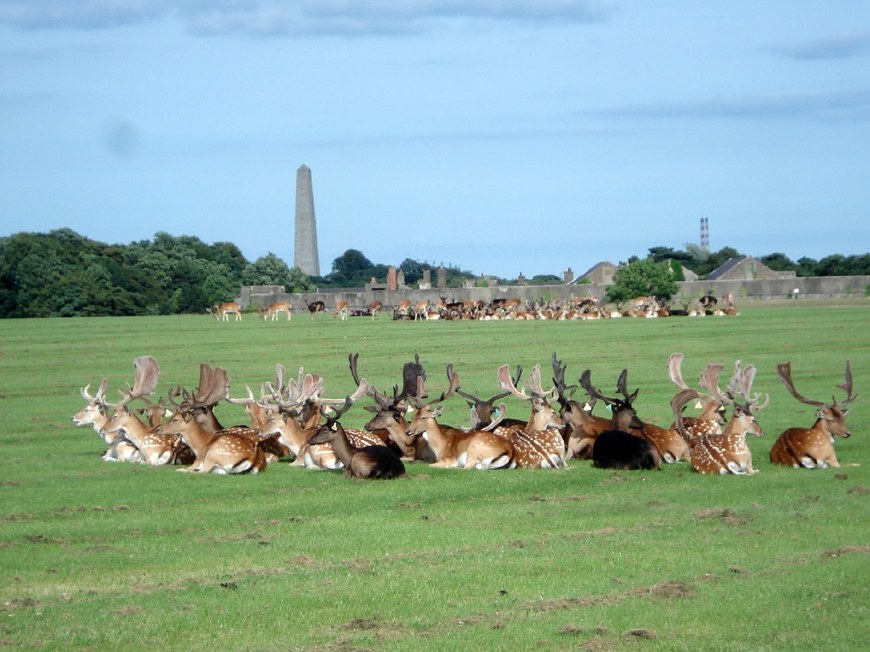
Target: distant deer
{"x": 315, "y": 307}
{"x": 714, "y": 454}
{"x": 221, "y": 312}
{"x": 813, "y": 448}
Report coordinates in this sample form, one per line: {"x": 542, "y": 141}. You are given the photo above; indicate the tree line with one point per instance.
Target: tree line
{"x": 64, "y": 274}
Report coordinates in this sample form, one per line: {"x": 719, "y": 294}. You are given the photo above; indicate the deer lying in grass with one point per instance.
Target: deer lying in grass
{"x": 96, "y": 414}
{"x": 373, "y": 461}
{"x": 617, "y": 448}
{"x": 728, "y": 452}
{"x": 537, "y": 444}
{"x": 476, "y": 449}
{"x": 155, "y": 448}
{"x": 581, "y": 426}
{"x": 813, "y": 448}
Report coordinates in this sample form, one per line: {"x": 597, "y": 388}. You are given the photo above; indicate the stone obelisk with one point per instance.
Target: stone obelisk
{"x": 305, "y": 257}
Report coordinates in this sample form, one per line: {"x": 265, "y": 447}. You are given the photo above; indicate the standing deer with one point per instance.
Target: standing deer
{"x": 813, "y": 448}
{"x": 375, "y": 308}
{"x": 221, "y": 312}
{"x": 726, "y": 453}
{"x": 375, "y": 461}
{"x": 315, "y": 307}
{"x": 617, "y": 448}
{"x": 276, "y": 307}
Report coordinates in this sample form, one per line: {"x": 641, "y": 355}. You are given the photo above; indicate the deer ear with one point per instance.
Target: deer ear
{"x": 437, "y": 412}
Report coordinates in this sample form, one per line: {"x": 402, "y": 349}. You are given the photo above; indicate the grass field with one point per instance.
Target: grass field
{"x": 95, "y": 555}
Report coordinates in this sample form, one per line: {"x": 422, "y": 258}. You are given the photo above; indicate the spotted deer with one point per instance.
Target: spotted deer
{"x": 476, "y": 449}
{"x": 537, "y": 444}
{"x": 712, "y": 416}
{"x": 813, "y": 447}
{"x": 222, "y": 312}
{"x": 725, "y": 453}
{"x": 274, "y": 309}
{"x": 155, "y": 448}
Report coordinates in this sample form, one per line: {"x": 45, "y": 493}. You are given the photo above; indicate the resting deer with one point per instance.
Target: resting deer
{"x": 155, "y": 448}
{"x": 712, "y": 416}
{"x": 96, "y": 414}
{"x": 537, "y": 444}
{"x": 374, "y": 461}
{"x": 581, "y": 426}
{"x": 813, "y": 448}
{"x": 476, "y": 449}
{"x": 617, "y": 448}
{"x": 728, "y": 452}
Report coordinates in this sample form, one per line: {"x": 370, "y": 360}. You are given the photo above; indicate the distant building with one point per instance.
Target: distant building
{"x": 305, "y": 256}
{"x": 746, "y": 268}
{"x": 600, "y": 274}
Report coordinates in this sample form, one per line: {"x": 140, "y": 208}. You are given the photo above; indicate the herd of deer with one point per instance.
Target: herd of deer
{"x": 292, "y": 419}
{"x": 510, "y": 308}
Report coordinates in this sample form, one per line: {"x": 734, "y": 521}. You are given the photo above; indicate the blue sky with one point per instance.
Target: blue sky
{"x": 497, "y": 136}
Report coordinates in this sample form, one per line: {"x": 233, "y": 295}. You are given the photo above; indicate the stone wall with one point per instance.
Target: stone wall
{"x": 818, "y": 287}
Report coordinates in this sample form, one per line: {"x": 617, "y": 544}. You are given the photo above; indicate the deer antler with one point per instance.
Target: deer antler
{"x": 562, "y": 391}
{"x": 678, "y": 402}
{"x": 675, "y": 361}
{"x": 508, "y": 384}
{"x": 847, "y": 386}
{"x": 145, "y": 379}
{"x": 783, "y": 370}
{"x": 741, "y": 384}
{"x": 213, "y": 385}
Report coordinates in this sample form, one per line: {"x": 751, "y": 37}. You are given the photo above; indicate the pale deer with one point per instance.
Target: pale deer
{"x": 813, "y": 447}
{"x": 274, "y": 309}
{"x": 342, "y": 310}
{"x": 221, "y": 312}
{"x": 375, "y": 308}
{"x": 539, "y": 443}
{"x": 476, "y": 449}
{"x": 726, "y": 453}
{"x": 617, "y": 448}
{"x": 96, "y": 414}
{"x": 373, "y": 461}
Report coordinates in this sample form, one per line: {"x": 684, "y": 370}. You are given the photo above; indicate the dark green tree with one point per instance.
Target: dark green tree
{"x": 267, "y": 270}
{"x": 642, "y": 278}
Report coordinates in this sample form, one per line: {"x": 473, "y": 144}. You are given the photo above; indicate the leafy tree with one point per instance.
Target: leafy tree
{"x": 299, "y": 281}
{"x": 778, "y": 262}
{"x": 267, "y": 270}
{"x": 350, "y": 264}
{"x": 642, "y": 278}
{"x": 413, "y": 270}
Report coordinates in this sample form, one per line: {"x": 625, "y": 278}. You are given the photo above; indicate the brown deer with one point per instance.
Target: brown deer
{"x": 375, "y": 308}
{"x": 315, "y": 307}
{"x": 221, "y": 312}
{"x": 728, "y": 452}
{"x": 581, "y": 426}
{"x": 342, "y": 310}
{"x": 155, "y": 449}
{"x": 374, "y": 461}
{"x": 539, "y": 443}
{"x": 712, "y": 416}
{"x": 274, "y": 309}
{"x": 476, "y": 449}
{"x": 813, "y": 448}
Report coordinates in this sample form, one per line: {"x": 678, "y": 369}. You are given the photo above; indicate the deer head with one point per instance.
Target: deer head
{"x": 624, "y": 415}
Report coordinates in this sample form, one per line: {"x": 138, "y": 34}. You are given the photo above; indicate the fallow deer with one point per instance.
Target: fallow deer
{"x": 373, "y": 461}
{"x": 712, "y": 416}
{"x": 96, "y": 414}
{"x": 813, "y": 448}
{"x": 221, "y": 312}
{"x": 342, "y": 310}
{"x": 581, "y": 426}
{"x": 315, "y": 307}
{"x": 476, "y": 449}
{"x": 274, "y": 309}
{"x": 539, "y": 443}
{"x": 728, "y": 452}
{"x": 375, "y": 308}
{"x": 617, "y": 448}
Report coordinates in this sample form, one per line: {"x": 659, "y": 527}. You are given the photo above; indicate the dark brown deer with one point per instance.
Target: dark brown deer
{"x": 617, "y": 448}
{"x": 727, "y": 453}
{"x": 581, "y": 426}
{"x": 813, "y": 448}
{"x": 315, "y": 307}
{"x": 359, "y": 462}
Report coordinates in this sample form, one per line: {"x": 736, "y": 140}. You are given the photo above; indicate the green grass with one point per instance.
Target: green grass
{"x": 118, "y": 556}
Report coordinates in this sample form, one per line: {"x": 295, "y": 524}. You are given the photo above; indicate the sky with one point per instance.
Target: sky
{"x": 498, "y": 136}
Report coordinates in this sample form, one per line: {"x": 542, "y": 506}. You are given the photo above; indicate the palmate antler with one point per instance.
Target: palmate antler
{"x": 740, "y": 386}
{"x": 783, "y": 370}
{"x": 145, "y": 379}
{"x": 213, "y": 385}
